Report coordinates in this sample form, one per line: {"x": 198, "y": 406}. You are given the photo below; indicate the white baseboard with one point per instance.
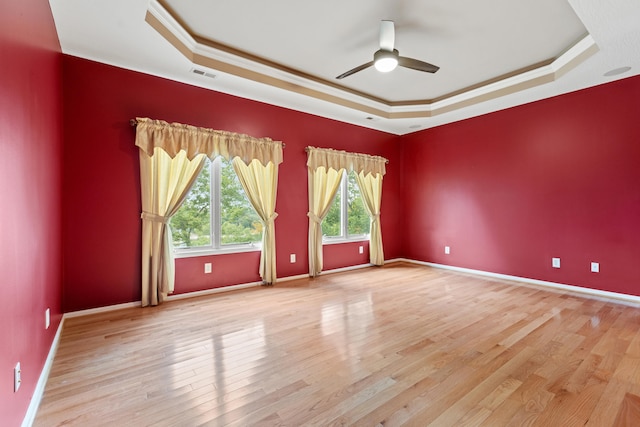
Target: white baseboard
{"x": 588, "y": 292}
{"x": 290, "y": 278}
{"x": 324, "y": 272}
{"x": 212, "y": 291}
{"x": 350, "y": 268}
{"x": 104, "y": 309}
{"x": 594, "y": 293}
{"x": 32, "y": 410}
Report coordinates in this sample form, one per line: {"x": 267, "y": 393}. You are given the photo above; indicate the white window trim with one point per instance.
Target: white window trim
{"x": 216, "y": 248}
{"x": 338, "y": 240}
{"x": 205, "y": 251}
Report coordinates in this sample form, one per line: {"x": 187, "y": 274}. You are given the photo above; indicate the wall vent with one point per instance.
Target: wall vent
{"x": 203, "y": 73}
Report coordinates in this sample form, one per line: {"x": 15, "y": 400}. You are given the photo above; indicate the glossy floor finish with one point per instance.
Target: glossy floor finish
{"x": 398, "y": 345}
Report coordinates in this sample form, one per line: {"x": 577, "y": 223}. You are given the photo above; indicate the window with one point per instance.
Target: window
{"x": 216, "y": 215}
{"x": 347, "y": 218}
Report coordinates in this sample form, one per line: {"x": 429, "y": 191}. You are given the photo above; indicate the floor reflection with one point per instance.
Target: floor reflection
{"x": 343, "y": 324}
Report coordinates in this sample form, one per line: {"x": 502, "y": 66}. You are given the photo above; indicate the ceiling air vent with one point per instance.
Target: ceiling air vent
{"x": 203, "y": 73}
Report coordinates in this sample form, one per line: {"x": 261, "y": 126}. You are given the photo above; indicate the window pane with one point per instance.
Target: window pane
{"x": 239, "y": 222}
{"x": 191, "y": 225}
{"x": 331, "y": 223}
{"x": 358, "y": 219}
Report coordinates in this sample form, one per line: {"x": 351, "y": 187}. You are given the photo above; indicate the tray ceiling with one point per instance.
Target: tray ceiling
{"x": 492, "y": 55}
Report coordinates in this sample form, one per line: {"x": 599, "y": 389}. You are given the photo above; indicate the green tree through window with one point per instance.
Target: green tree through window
{"x": 357, "y": 217}
{"x": 347, "y": 217}
{"x": 191, "y": 225}
{"x": 216, "y": 213}
{"x": 239, "y": 222}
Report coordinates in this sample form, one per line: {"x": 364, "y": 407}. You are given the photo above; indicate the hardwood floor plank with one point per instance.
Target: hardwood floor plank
{"x": 521, "y": 406}
{"x": 492, "y": 382}
{"x": 629, "y": 413}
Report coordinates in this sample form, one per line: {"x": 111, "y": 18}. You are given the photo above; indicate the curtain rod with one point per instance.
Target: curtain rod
{"x": 134, "y": 122}
{"x": 386, "y": 161}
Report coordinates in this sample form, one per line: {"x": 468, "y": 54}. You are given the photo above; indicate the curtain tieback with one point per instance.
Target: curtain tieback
{"x": 271, "y": 219}
{"x": 313, "y": 217}
{"x": 148, "y": 216}
{"x": 375, "y": 217}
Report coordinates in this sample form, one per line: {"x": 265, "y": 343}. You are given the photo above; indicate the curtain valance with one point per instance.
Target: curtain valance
{"x": 338, "y": 159}
{"x": 176, "y": 137}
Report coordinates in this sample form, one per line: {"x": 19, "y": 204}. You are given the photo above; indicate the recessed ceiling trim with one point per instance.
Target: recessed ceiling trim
{"x": 574, "y": 56}
{"x": 225, "y": 62}
{"x": 176, "y": 33}
{"x": 255, "y": 76}
{"x": 216, "y": 57}
{"x": 480, "y": 85}
{"x": 165, "y": 25}
{"x": 526, "y": 80}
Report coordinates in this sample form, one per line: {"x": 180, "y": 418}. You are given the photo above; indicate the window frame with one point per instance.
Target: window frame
{"x": 344, "y": 236}
{"x": 215, "y": 198}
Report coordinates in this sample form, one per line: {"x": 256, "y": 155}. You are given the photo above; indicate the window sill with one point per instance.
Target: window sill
{"x": 190, "y": 253}
{"x": 338, "y": 240}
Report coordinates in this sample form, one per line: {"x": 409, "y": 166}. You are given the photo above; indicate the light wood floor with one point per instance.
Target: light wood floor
{"x": 399, "y": 345}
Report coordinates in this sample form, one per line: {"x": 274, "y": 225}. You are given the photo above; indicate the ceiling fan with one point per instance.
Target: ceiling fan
{"x": 387, "y": 58}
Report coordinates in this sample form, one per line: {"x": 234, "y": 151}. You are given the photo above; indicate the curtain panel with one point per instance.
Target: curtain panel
{"x": 171, "y": 157}
{"x": 260, "y": 183}
{"x": 371, "y": 190}
{"x": 325, "y": 168}
{"x": 164, "y": 183}
{"x": 323, "y": 186}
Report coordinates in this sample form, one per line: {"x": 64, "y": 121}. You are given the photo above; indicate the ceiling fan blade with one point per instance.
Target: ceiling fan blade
{"x": 355, "y": 70}
{"x": 387, "y": 35}
{"x": 417, "y": 65}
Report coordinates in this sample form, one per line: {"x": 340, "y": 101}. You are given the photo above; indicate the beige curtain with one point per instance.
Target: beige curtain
{"x": 371, "y": 190}
{"x": 260, "y": 183}
{"x": 165, "y": 182}
{"x": 171, "y": 157}
{"x": 325, "y": 168}
{"x": 323, "y": 185}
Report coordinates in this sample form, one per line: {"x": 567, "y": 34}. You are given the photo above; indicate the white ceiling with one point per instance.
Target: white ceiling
{"x": 493, "y": 54}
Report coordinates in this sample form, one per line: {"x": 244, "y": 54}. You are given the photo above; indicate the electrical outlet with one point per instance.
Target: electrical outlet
{"x": 447, "y": 250}
{"x": 47, "y": 318}
{"x": 207, "y": 267}
{"x": 555, "y": 262}
{"x": 360, "y": 249}
{"x": 595, "y": 267}
{"x": 292, "y": 258}
{"x": 17, "y": 377}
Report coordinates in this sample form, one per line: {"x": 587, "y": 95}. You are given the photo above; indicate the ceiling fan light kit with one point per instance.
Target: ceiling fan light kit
{"x": 387, "y": 58}
{"x": 385, "y": 61}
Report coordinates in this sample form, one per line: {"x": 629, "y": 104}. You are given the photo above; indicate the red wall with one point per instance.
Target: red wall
{"x": 510, "y": 190}
{"x": 101, "y": 181}
{"x": 30, "y": 167}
